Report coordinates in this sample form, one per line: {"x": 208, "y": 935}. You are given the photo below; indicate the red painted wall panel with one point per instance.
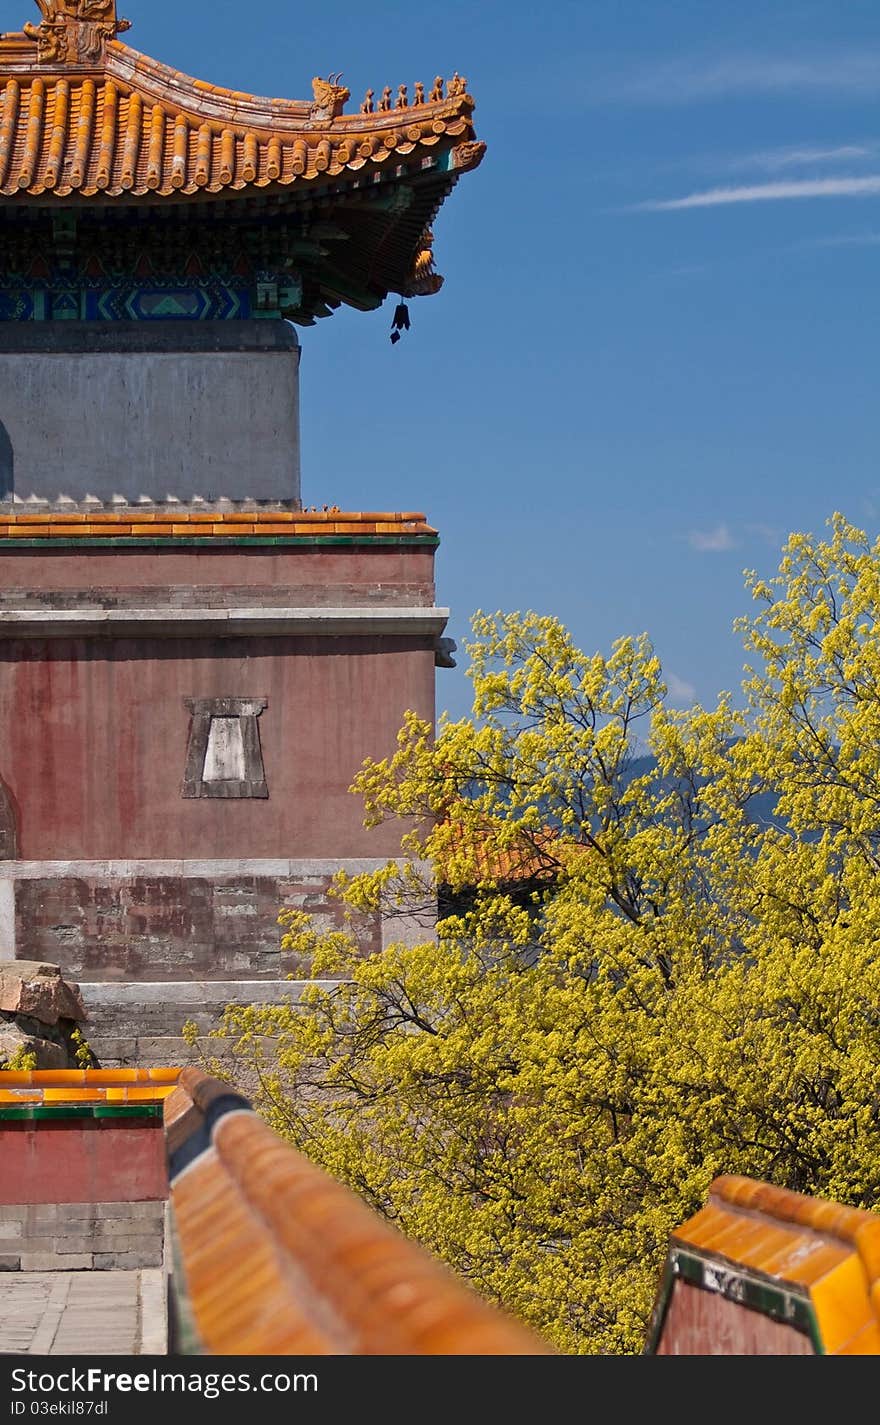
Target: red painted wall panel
{"x": 87, "y": 1160}
{"x": 702, "y": 1323}
{"x": 93, "y": 739}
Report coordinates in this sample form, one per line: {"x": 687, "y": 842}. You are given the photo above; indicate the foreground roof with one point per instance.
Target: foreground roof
{"x": 809, "y": 1267}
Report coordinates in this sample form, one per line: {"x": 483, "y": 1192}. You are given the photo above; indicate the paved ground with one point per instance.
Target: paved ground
{"x": 82, "y": 1313}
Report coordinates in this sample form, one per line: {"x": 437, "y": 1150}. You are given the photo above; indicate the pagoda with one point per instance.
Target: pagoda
{"x": 192, "y": 666}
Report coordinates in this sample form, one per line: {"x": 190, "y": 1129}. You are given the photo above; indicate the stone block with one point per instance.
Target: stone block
{"x": 129, "y": 1233}
{"x": 154, "y": 1053}
{"x": 114, "y": 1052}
{"x": 102, "y": 1210}
{"x": 51, "y": 1262}
{"x": 39, "y": 1213}
{"x": 37, "y": 1239}
{"x": 150, "y": 1212}
{"x": 114, "y": 1211}
{"x": 155, "y": 1211}
{"x": 37, "y": 990}
{"x": 10, "y": 1229}
{"x": 13, "y": 1212}
{"x": 74, "y": 1244}
{"x": 153, "y": 1312}
{"x": 10, "y": 1264}
{"x": 14, "y": 1040}
{"x": 79, "y": 1212}
{"x": 127, "y": 1261}
{"x": 132, "y": 1241}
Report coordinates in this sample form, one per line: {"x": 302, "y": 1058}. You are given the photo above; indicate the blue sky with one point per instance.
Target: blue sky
{"x": 655, "y": 353}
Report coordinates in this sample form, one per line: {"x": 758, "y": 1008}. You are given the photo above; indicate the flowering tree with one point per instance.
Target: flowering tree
{"x": 657, "y": 958}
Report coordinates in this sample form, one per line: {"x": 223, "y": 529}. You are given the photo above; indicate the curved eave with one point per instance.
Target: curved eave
{"x": 135, "y": 128}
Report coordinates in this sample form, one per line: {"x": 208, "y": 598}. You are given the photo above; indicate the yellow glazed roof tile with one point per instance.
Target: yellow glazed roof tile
{"x": 129, "y": 523}
{"x": 841, "y": 1304}
{"x": 827, "y": 1251}
{"x": 278, "y": 1258}
{"x": 83, "y": 113}
{"x": 58, "y": 1087}
{"x": 865, "y": 1343}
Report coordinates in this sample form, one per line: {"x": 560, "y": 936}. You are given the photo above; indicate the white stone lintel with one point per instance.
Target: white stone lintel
{"x": 201, "y": 994}
{"x": 318, "y": 869}
{"x": 237, "y": 622}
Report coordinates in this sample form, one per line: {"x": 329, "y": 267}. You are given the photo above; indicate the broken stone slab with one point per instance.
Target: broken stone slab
{"x": 39, "y": 990}
{"x": 14, "y": 1040}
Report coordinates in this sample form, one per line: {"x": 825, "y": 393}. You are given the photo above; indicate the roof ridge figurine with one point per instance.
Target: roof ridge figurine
{"x": 330, "y": 97}
{"x": 74, "y": 31}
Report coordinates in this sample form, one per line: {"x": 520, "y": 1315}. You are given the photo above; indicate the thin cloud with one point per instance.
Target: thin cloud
{"x": 694, "y": 80}
{"x": 711, "y": 541}
{"x": 681, "y": 694}
{"x": 843, "y": 240}
{"x": 767, "y": 193}
{"x": 768, "y": 533}
{"x": 778, "y": 159}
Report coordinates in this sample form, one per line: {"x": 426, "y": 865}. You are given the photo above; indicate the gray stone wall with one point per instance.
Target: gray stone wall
{"x": 179, "y": 410}
{"x": 7, "y": 465}
{"x": 81, "y": 1236}
{"x": 141, "y": 1025}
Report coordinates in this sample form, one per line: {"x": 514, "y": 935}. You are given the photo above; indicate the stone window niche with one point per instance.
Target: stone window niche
{"x": 224, "y": 757}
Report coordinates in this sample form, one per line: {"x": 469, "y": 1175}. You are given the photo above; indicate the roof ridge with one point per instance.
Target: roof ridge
{"x": 82, "y": 42}
{"x": 129, "y": 131}
{"x": 123, "y": 62}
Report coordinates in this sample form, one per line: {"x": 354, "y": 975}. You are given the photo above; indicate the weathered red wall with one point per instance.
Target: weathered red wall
{"x": 166, "y": 927}
{"x": 83, "y": 1160}
{"x": 703, "y": 1323}
{"x": 93, "y": 740}
{"x": 295, "y": 575}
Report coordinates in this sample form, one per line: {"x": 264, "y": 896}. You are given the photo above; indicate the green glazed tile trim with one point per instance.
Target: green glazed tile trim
{"x": 127, "y": 1110}
{"x": 661, "y": 1307}
{"x": 56, "y": 1111}
{"x": 184, "y": 1334}
{"x": 782, "y": 1302}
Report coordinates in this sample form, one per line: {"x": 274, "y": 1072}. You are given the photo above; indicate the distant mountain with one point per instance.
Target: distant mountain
{"x": 761, "y": 809}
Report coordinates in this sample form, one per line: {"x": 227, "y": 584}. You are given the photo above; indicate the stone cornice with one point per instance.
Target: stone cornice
{"x": 224, "y": 623}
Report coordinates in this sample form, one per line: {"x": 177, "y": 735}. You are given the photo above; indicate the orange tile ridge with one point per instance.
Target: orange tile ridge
{"x": 279, "y": 1258}
{"x": 87, "y": 1078}
{"x": 849, "y": 1224}
{"x": 130, "y": 522}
